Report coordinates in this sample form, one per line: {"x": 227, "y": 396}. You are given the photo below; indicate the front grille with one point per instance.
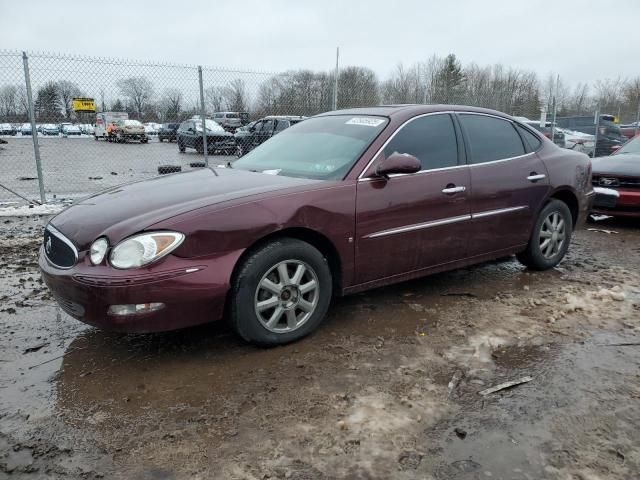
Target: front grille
{"x": 72, "y": 308}
{"x": 59, "y": 249}
{"x": 615, "y": 182}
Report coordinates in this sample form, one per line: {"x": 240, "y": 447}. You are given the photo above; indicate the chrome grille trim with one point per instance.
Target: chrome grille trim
{"x": 56, "y": 233}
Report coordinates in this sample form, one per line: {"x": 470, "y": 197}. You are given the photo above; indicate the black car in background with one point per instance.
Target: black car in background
{"x": 189, "y": 135}
{"x": 610, "y": 137}
{"x": 168, "y": 131}
{"x": 262, "y": 130}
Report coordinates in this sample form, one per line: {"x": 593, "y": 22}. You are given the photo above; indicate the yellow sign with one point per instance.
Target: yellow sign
{"x": 84, "y": 105}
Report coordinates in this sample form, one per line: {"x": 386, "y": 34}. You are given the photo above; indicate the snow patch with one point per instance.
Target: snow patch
{"x": 32, "y": 210}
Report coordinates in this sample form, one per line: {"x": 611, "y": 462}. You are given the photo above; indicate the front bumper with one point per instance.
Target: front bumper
{"x": 616, "y": 202}
{"x": 193, "y": 291}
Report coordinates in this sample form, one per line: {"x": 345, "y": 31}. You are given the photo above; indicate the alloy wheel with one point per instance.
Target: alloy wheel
{"x": 552, "y": 235}
{"x": 286, "y": 296}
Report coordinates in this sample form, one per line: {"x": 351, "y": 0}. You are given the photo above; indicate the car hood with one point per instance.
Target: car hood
{"x": 131, "y": 208}
{"x": 625, "y": 164}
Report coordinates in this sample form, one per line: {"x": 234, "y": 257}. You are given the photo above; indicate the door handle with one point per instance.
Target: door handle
{"x": 453, "y": 189}
{"x": 534, "y": 177}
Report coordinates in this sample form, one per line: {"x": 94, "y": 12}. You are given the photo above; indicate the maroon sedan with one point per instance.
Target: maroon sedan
{"x": 340, "y": 203}
{"x": 616, "y": 179}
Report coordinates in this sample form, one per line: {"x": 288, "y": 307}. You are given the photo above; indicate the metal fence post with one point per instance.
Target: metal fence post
{"x": 335, "y": 86}
{"x": 34, "y": 130}
{"x": 596, "y": 121}
{"x": 203, "y": 115}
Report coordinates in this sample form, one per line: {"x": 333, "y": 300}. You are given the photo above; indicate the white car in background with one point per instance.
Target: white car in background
{"x": 71, "y": 131}
{"x": 578, "y": 141}
{"x": 151, "y": 128}
{"x": 86, "y": 128}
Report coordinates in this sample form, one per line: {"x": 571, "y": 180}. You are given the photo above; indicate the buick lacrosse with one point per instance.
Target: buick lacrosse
{"x": 340, "y": 203}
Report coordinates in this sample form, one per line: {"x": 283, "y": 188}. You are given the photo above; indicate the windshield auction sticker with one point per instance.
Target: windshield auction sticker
{"x": 366, "y": 121}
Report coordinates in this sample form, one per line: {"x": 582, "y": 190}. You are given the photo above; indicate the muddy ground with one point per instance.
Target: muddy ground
{"x": 388, "y": 388}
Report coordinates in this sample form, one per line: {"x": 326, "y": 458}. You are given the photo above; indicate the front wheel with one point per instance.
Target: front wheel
{"x": 281, "y": 293}
{"x": 181, "y": 147}
{"x": 550, "y": 237}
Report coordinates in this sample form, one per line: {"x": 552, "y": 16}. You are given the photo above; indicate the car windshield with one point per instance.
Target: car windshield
{"x": 132, "y": 123}
{"x": 632, "y": 146}
{"x": 323, "y": 148}
{"x": 211, "y": 126}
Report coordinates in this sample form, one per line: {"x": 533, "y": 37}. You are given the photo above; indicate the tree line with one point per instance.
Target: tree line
{"x": 306, "y": 92}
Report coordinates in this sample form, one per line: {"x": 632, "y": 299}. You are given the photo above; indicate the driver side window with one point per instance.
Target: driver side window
{"x": 431, "y": 139}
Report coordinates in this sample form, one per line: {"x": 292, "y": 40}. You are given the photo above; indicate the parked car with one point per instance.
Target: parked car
{"x": 151, "y": 128}
{"x": 168, "y": 131}
{"x": 340, "y": 203}
{"x": 616, "y": 180}
{"x": 7, "y": 129}
{"x": 578, "y": 141}
{"x": 230, "y": 121}
{"x": 87, "y": 129}
{"x": 69, "y": 130}
{"x": 50, "y": 129}
{"x": 630, "y": 130}
{"x": 189, "y": 135}
{"x": 125, "y": 130}
{"x": 262, "y": 130}
{"x": 558, "y": 135}
{"x": 609, "y": 135}
{"x": 25, "y": 129}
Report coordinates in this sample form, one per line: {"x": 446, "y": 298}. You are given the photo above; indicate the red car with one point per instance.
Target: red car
{"x": 616, "y": 179}
{"x": 340, "y": 203}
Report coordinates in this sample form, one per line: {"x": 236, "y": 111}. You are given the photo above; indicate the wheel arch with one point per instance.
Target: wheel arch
{"x": 568, "y": 196}
{"x": 310, "y": 236}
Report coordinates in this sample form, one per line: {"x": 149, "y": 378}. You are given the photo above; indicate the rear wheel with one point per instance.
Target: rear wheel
{"x": 281, "y": 293}
{"x": 550, "y": 237}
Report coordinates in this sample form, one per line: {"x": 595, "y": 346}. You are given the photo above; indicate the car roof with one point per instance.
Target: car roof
{"x": 409, "y": 110}
{"x": 283, "y": 117}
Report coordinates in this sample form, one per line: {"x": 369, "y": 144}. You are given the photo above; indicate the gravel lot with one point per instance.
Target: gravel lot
{"x": 78, "y": 166}
{"x": 387, "y": 388}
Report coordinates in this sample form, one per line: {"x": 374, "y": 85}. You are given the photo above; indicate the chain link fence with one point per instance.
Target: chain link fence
{"x": 70, "y": 146}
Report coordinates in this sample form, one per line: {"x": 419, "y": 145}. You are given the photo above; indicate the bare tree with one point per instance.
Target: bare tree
{"x": 357, "y": 87}
{"x": 67, "y": 91}
{"x": 139, "y": 91}
{"x": 9, "y": 103}
{"x": 235, "y": 96}
{"x": 214, "y": 98}
{"x": 170, "y": 105}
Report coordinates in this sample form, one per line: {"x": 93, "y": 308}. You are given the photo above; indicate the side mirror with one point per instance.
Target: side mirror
{"x": 398, "y": 163}
{"x": 191, "y": 130}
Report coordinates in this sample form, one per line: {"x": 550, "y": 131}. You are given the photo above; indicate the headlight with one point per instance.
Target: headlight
{"x": 98, "y": 250}
{"x": 144, "y": 249}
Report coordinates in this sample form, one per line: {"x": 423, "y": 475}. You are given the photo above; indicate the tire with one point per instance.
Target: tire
{"x": 199, "y": 147}
{"x": 181, "y": 147}
{"x": 95, "y": 138}
{"x": 549, "y": 240}
{"x": 264, "y": 267}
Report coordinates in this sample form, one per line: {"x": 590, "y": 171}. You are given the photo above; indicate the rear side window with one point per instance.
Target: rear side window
{"x": 491, "y": 138}
{"x": 431, "y": 139}
{"x": 532, "y": 141}
{"x": 281, "y": 125}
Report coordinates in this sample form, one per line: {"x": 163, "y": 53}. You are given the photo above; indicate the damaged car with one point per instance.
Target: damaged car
{"x": 341, "y": 203}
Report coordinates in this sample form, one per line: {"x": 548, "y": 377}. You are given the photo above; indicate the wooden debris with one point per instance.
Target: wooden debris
{"x": 505, "y": 385}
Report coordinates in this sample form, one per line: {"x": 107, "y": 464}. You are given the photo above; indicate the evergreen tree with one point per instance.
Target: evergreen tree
{"x": 48, "y": 105}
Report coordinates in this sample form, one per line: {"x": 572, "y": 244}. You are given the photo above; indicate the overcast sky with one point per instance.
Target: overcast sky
{"x": 581, "y": 40}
